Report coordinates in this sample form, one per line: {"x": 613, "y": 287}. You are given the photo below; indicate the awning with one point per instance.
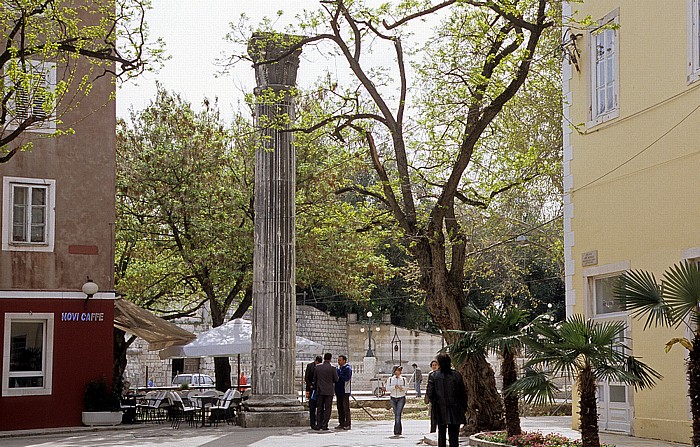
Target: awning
{"x": 156, "y": 331}
{"x": 227, "y": 340}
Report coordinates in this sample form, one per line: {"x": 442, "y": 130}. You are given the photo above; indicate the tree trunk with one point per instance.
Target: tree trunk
{"x": 484, "y": 406}
{"x": 588, "y": 407}
{"x": 119, "y": 355}
{"x": 694, "y": 387}
{"x": 510, "y": 400}
{"x": 445, "y": 302}
{"x": 222, "y": 373}
{"x": 222, "y": 365}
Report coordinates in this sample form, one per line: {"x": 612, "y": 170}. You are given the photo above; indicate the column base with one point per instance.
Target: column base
{"x": 273, "y": 411}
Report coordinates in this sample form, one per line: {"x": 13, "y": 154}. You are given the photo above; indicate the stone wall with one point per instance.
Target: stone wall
{"x": 338, "y": 335}
{"x": 318, "y": 326}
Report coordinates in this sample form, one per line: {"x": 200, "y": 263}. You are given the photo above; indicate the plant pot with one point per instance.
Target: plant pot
{"x": 97, "y": 418}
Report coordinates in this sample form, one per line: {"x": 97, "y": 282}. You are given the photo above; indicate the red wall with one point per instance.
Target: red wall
{"x": 82, "y": 351}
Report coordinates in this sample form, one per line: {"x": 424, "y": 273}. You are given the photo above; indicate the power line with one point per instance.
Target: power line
{"x": 641, "y": 151}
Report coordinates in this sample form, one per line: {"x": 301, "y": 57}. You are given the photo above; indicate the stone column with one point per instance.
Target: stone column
{"x": 274, "y": 401}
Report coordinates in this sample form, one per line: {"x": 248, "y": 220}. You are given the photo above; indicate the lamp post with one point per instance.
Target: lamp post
{"x": 370, "y": 353}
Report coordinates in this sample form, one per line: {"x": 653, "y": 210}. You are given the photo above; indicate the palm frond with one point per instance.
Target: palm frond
{"x": 467, "y": 345}
{"x": 606, "y": 333}
{"x": 640, "y": 294}
{"x": 642, "y": 375}
{"x": 681, "y": 289}
{"x": 631, "y": 371}
{"x": 535, "y": 388}
{"x": 472, "y": 315}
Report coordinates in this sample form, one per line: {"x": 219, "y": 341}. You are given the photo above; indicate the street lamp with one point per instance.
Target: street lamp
{"x": 370, "y": 353}
{"x": 396, "y": 347}
{"x": 89, "y": 289}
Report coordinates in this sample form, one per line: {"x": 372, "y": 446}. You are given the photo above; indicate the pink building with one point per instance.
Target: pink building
{"x": 57, "y": 218}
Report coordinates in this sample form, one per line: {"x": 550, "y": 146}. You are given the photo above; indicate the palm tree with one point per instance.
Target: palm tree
{"x": 672, "y": 303}
{"x": 586, "y": 351}
{"x": 500, "y": 331}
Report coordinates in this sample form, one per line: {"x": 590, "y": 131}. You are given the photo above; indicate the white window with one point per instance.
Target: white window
{"x": 604, "y": 70}
{"x": 27, "y": 354}
{"x": 693, "y": 44}
{"x": 603, "y": 298}
{"x": 28, "y": 216}
{"x": 31, "y": 85}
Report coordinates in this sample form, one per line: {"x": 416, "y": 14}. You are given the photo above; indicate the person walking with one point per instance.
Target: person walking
{"x": 449, "y": 400}
{"x": 325, "y": 377}
{"x": 396, "y": 385}
{"x": 417, "y": 378}
{"x": 433, "y": 368}
{"x": 310, "y": 390}
{"x": 342, "y": 392}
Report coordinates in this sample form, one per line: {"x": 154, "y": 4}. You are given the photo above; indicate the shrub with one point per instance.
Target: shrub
{"x": 99, "y": 397}
{"x": 533, "y": 439}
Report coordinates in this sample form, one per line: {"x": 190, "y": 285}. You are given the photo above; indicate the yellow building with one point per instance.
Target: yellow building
{"x": 632, "y": 176}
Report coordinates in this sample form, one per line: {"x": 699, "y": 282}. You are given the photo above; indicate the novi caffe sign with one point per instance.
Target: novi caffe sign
{"x": 82, "y": 316}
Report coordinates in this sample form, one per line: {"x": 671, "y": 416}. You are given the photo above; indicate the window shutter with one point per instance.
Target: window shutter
{"x": 21, "y": 103}
{"x": 31, "y": 94}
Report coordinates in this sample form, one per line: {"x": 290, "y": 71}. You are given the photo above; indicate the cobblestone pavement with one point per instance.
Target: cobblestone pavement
{"x": 363, "y": 434}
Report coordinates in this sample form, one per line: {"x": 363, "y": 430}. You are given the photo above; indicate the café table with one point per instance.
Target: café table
{"x": 204, "y": 400}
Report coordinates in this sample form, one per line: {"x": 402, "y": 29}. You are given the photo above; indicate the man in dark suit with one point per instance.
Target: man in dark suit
{"x": 448, "y": 399}
{"x": 325, "y": 377}
{"x": 309, "y": 380}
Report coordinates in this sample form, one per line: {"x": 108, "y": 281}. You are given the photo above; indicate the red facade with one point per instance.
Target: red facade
{"x": 57, "y": 220}
{"x": 82, "y": 351}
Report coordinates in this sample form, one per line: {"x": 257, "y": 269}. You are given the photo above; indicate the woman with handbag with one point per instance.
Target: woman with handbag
{"x": 396, "y": 386}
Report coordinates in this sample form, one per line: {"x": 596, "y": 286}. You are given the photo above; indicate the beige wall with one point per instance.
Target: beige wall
{"x": 83, "y": 166}
{"x": 644, "y": 213}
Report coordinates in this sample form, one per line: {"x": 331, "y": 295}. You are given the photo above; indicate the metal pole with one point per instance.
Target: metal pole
{"x": 370, "y": 353}
{"x": 238, "y": 379}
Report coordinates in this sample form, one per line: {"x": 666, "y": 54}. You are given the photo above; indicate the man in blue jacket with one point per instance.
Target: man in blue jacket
{"x": 342, "y": 392}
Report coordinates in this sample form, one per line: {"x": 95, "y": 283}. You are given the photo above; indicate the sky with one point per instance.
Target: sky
{"x": 194, "y": 31}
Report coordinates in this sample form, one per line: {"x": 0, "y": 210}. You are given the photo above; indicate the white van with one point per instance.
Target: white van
{"x": 198, "y": 380}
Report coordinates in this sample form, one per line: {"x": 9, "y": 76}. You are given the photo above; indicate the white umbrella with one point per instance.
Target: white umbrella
{"x": 234, "y": 337}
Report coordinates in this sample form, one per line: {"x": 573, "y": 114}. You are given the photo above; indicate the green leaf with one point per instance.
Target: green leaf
{"x": 639, "y": 293}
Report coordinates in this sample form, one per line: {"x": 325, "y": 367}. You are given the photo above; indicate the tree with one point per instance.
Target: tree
{"x": 514, "y": 263}
{"x": 586, "y": 351}
{"x": 502, "y": 331}
{"x": 185, "y": 216}
{"x": 424, "y": 141}
{"x": 53, "y": 53}
{"x": 674, "y": 302}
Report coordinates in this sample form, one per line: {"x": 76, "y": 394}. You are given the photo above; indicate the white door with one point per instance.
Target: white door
{"x": 614, "y": 407}
{"x": 615, "y": 410}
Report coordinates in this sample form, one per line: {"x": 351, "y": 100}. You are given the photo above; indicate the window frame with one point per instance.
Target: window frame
{"x": 594, "y": 297}
{"x": 594, "y": 118}
{"x": 47, "y": 125}
{"x": 47, "y": 354}
{"x": 9, "y": 183}
{"x": 589, "y": 275}
{"x": 693, "y": 41}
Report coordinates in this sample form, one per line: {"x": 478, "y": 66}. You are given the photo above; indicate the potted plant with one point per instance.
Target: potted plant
{"x": 102, "y": 406}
